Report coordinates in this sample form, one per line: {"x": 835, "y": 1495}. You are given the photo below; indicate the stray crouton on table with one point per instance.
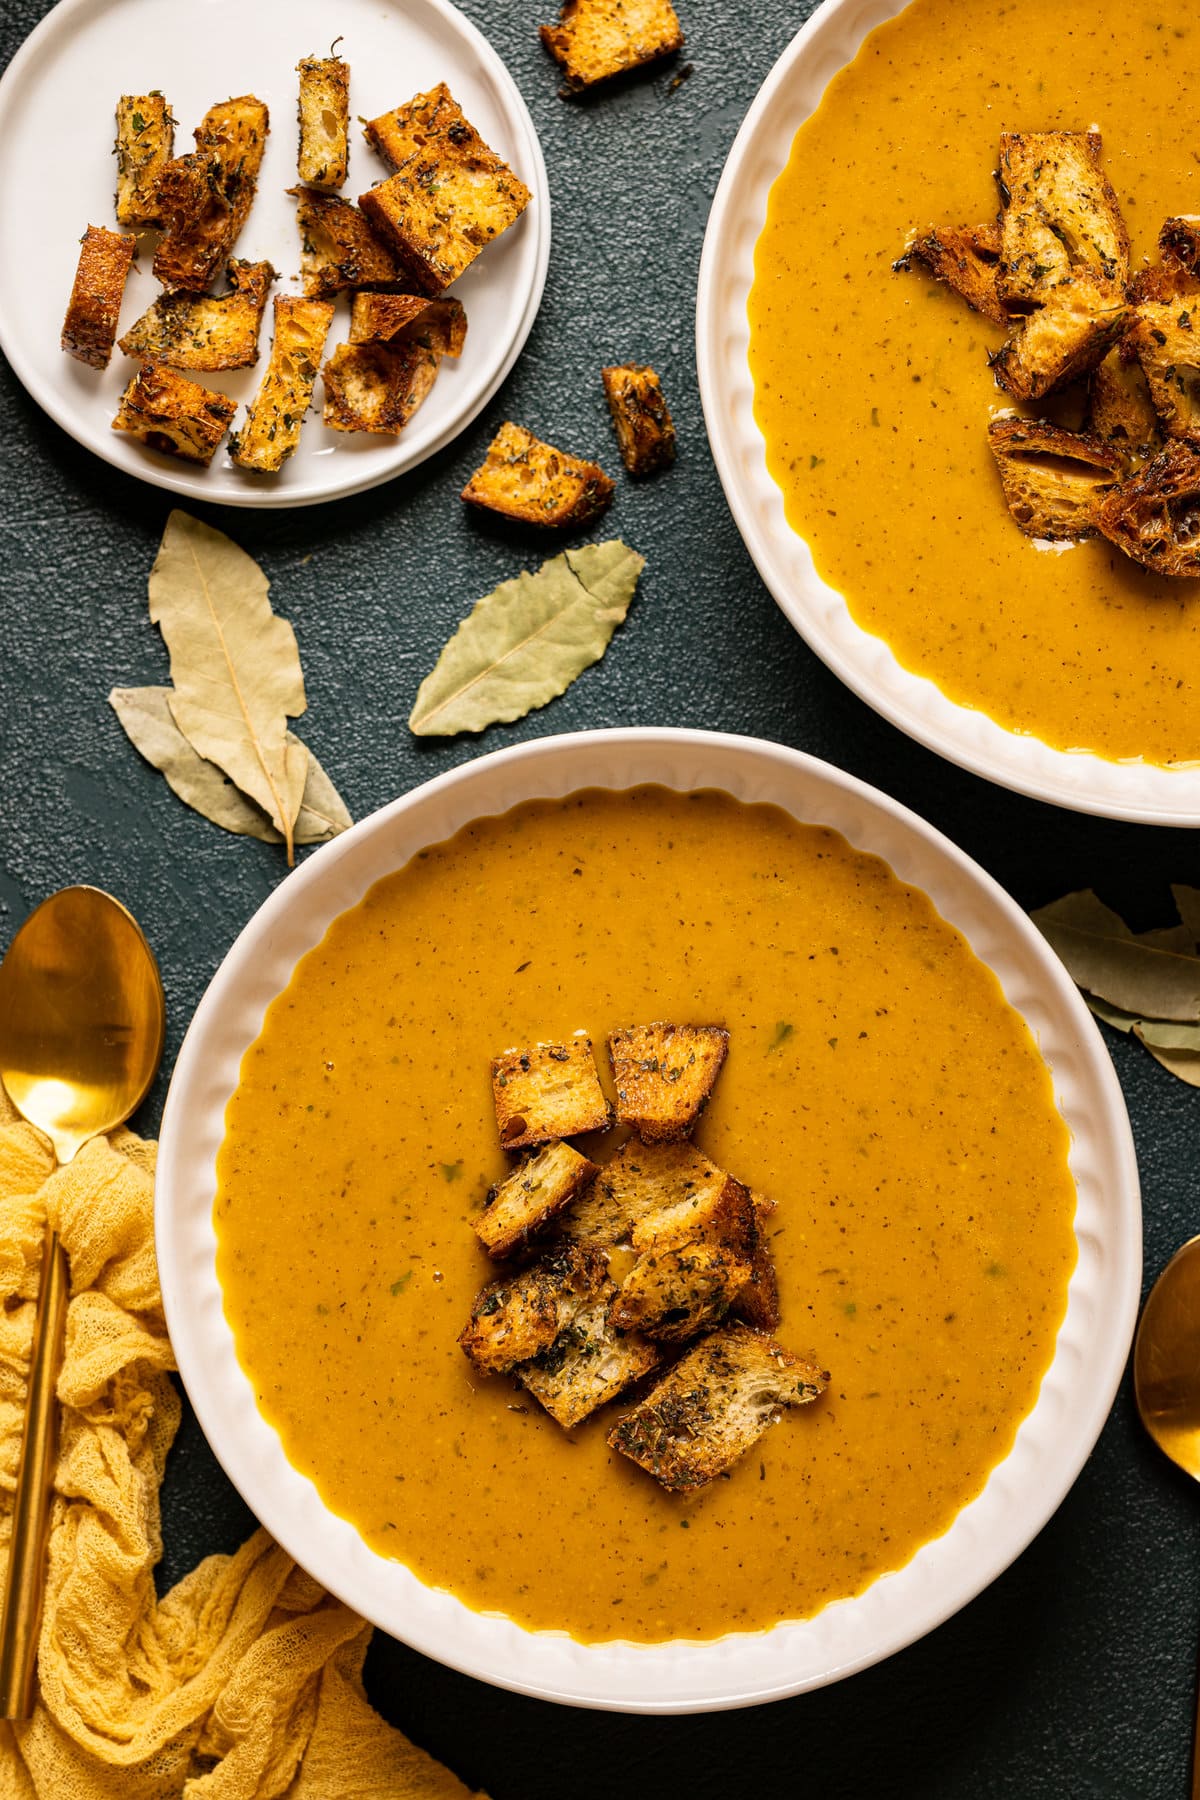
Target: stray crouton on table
{"x": 645, "y": 431}
{"x": 597, "y": 39}
{"x": 524, "y": 479}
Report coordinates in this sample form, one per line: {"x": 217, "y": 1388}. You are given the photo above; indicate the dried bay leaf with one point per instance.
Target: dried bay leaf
{"x": 149, "y": 723}
{"x": 235, "y": 668}
{"x": 1187, "y": 905}
{"x": 1102, "y": 955}
{"x": 525, "y": 643}
{"x": 1183, "y": 1063}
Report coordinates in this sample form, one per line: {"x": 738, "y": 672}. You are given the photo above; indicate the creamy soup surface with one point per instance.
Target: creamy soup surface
{"x": 873, "y": 389}
{"x": 878, "y": 1087}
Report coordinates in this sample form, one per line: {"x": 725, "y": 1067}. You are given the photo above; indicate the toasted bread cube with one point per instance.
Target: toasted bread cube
{"x": 450, "y": 195}
{"x": 338, "y": 249}
{"x": 324, "y": 107}
{"x": 965, "y": 258}
{"x": 535, "y": 1192}
{"x": 525, "y": 479}
{"x": 645, "y": 431}
{"x": 1177, "y": 274}
{"x": 716, "y": 1403}
{"x": 520, "y": 1316}
{"x": 589, "y": 1363}
{"x": 145, "y": 142}
{"x": 715, "y": 1212}
{"x": 201, "y": 331}
{"x": 371, "y": 387}
{"x": 1165, "y": 338}
{"x": 664, "y": 1075}
{"x": 1054, "y": 481}
{"x": 1154, "y": 516}
{"x": 438, "y": 325}
{"x": 1120, "y": 410}
{"x": 204, "y": 197}
{"x": 273, "y": 419}
{"x": 548, "y": 1091}
{"x": 643, "y": 1182}
{"x": 90, "y": 326}
{"x": 1061, "y": 226}
{"x": 596, "y": 39}
{"x": 673, "y": 1295}
{"x": 169, "y": 412}
{"x": 758, "y": 1301}
{"x": 1057, "y": 344}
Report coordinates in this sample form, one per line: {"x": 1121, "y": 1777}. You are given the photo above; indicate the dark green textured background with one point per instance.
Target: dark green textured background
{"x": 1074, "y": 1674}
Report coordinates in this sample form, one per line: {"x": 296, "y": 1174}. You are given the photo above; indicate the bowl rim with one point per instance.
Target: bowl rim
{"x": 740, "y": 1669}
{"x": 1083, "y": 781}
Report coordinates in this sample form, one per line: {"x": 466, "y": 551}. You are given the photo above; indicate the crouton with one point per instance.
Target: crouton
{"x": 1154, "y": 516}
{"x": 450, "y": 195}
{"x": 664, "y": 1075}
{"x": 145, "y": 142}
{"x": 1177, "y": 274}
{"x": 1054, "y": 481}
{"x": 520, "y": 1316}
{"x": 338, "y": 249}
{"x": 640, "y": 1183}
{"x": 714, "y": 1405}
{"x": 1165, "y": 338}
{"x": 589, "y": 1363}
{"x": 535, "y": 1192}
{"x": 1120, "y": 410}
{"x": 547, "y": 1091}
{"x": 672, "y": 1295}
{"x": 965, "y": 258}
{"x": 438, "y": 325}
{"x": 324, "y": 111}
{"x": 524, "y": 479}
{"x": 757, "y": 1300}
{"x": 201, "y": 331}
{"x": 204, "y": 197}
{"x": 1057, "y": 344}
{"x": 373, "y": 387}
{"x": 645, "y": 432}
{"x": 271, "y": 429}
{"x": 90, "y": 326}
{"x": 597, "y": 39}
{"x": 169, "y": 412}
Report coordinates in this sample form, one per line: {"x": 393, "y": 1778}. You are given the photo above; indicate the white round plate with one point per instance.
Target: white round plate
{"x": 791, "y": 92}
{"x": 740, "y": 1669}
{"x": 57, "y": 105}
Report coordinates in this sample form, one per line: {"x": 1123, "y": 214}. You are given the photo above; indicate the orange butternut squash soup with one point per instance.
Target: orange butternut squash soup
{"x": 873, "y": 389}
{"x": 878, "y": 1088}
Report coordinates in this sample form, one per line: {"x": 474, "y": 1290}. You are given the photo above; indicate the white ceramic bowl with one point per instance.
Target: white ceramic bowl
{"x": 740, "y": 1669}
{"x": 793, "y": 90}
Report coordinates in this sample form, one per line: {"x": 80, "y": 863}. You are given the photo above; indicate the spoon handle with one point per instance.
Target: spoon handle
{"x": 26, "y": 1580}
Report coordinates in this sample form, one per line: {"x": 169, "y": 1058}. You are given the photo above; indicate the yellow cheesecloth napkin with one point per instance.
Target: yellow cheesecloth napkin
{"x": 245, "y": 1681}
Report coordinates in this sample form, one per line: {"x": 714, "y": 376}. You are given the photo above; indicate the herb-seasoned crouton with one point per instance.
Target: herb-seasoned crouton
{"x": 1177, "y": 274}
{"x": 1120, "y": 410}
{"x": 641, "y": 1183}
{"x": 145, "y": 141}
{"x": 438, "y": 325}
{"x": 965, "y": 258}
{"x": 169, "y": 412}
{"x": 664, "y": 1075}
{"x": 517, "y": 1318}
{"x": 272, "y": 426}
{"x": 338, "y": 249}
{"x": 202, "y": 331}
{"x": 589, "y": 1363}
{"x": 1057, "y": 344}
{"x": 757, "y": 1300}
{"x": 204, "y": 198}
{"x": 645, "y": 432}
{"x": 90, "y": 326}
{"x": 324, "y": 117}
{"x": 534, "y": 1193}
{"x": 373, "y": 387}
{"x": 522, "y": 478}
{"x": 1165, "y": 338}
{"x": 713, "y": 1405}
{"x": 547, "y": 1091}
{"x": 450, "y": 195}
{"x": 1054, "y": 481}
{"x": 672, "y": 1295}
{"x": 596, "y": 39}
{"x": 1154, "y": 516}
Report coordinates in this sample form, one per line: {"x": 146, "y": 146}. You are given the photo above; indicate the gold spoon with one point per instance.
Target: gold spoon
{"x": 81, "y": 1034}
{"x": 1166, "y": 1379}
